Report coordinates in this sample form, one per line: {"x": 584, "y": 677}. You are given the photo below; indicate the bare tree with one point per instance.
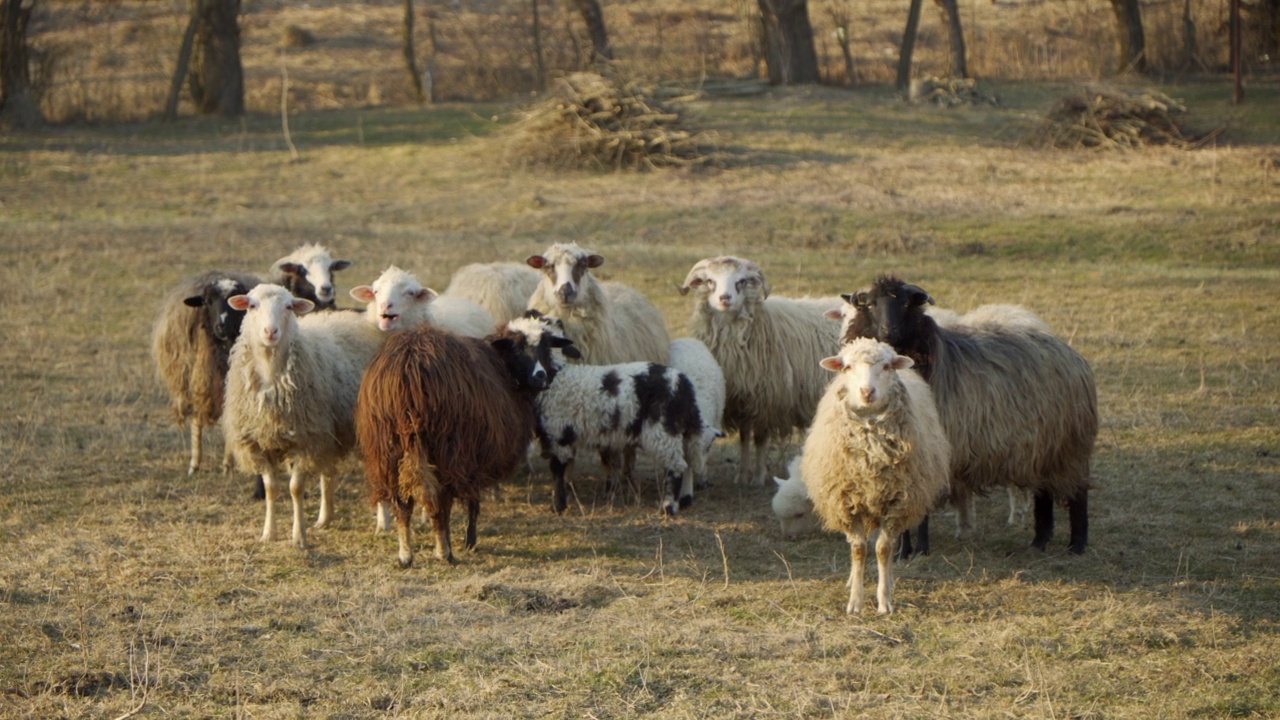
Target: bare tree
{"x": 908, "y": 45}
{"x": 593, "y": 16}
{"x": 951, "y": 18}
{"x": 217, "y": 78}
{"x": 410, "y": 53}
{"x": 1133, "y": 53}
{"x": 788, "y": 42}
{"x": 840, "y": 18}
{"x": 19, "y": 106}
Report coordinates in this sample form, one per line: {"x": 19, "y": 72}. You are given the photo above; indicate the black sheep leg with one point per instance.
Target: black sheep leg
{"x": 1078, "y": 513}
{"x": 905, "y": 550}
{"x": 1044, "y": 520}
{"x": 473, "y": 515}
{"x": 559, "y": 501}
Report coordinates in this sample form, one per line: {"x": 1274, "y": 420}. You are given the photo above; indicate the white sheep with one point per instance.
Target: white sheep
{"x": 397, "y": 301}
{"x": 769, "y": 349}
{"x": 611, "y": 408}
{"x": 691, "y": 357}
{"x": 608, "y": 322}
{"x": 291, "y": 392}
{"x": 876, "y": 457}
{"x": 791, "y": 503}
{"x": 502, "y": 288}
{"x": 307, "y": 272}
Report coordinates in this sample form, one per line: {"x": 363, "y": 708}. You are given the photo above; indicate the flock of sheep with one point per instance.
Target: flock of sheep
{"x": 441, "y": 394}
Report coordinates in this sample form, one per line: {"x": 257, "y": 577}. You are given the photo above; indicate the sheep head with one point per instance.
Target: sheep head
{"x": 890, "y": 311}
{"x": 308, "y": 273}
{"x": 220, "y": 318}
{"x": 527, "y": 346}
{"x": 396, "y": 300}
{"x": 565, "y": 265}
{"x": 270, "y": 313}
{"x": 867, "y": 371}
{"x": 728, "y": 284}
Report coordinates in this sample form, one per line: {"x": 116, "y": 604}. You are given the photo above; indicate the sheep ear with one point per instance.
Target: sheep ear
{"x": 302, "y": 306}
{"x": 535, "y": 261}
{"x": 764, "y": 285}
{"x": 595, "y": 261}
{"x": 504, "y": 345}
{"x": 833, "y": 314}
{"x": 240, "y": 302}
{"x": 194, "y": 301}
{"x": 901, "y": 362}
{"x": 917, "y": 295}
{"x": 694, "y": 278}
{"x": 363, "y": 293}
{"x": 292, "y": 268}
{"x": 339, "y": 265}
{"x": 426, "y": 295}
{"x": 833, "y": 363}
{"x": 532, "y": 314}
{"x": 566, "y": 346}
{"x": 571, "y": 352}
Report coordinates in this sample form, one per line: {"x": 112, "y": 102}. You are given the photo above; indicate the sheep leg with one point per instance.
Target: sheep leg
{"x": 228, "y": 460}
{"x": 884, "y": 568}
{"x": 297, "y": 484}
{"x": 904, "y": 547}
{"x": 744, "y": 455}
{"x": 269, "y": 495}
{"x": 197, "y": 445}
{"x": 760, "y": 473}
{"x": 1043, "y": 520}
{"x": 404, "y": 530}
{"x": 629, "y": 471}
{"x": 696, "y": 462}
{"x": 382, "y": 514}
{"x": 440, "y": 511}
{"x": 1078, "y": 513}
{"x": 473, "y": 515}
{"x": 1019, "y": 504}
{"x": 670, "y": 491}
{"x": 326, "y": 500}
{"x": 905, "y": 550}
{"x": 559, "y": 498}
{"x": 858, "y": 557}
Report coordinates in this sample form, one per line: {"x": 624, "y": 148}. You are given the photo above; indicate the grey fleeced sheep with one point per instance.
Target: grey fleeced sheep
{"x": 291, "y": 393}
{"x": 191, "y": 342}
{"x": 608, "y": 322}
{"x": 1018, "y": 403}
{"x": 769, "y": 349}
{"x": 397, "y": 301}
{"x": 876, "y": 457}
{"x": 502, "y": 288}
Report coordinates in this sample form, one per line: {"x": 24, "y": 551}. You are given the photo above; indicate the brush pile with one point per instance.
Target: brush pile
{"x": 948, "y": 92}
{"x": 1114, "y": 119}
{"x": 591, "y": 121}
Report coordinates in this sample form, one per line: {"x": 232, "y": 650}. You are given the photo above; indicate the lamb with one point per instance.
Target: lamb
{"x": 1018, "y": 403}
{"x": 791, "y": 503}
{"x": 307, "y": 272}
{"x": 691, "y": 357}
{"x": 397, "y": 301}
{"x": 608, "y": 322}
{"x": 623, "y": 406}
{"x": 876, "y": 457}
{"x": 441, "y": 416}
{"x": 190, "y": 344}
{"x": 291, "y": 393}
{"x": 501, "y": 288}
{"x": 769, "y": 348}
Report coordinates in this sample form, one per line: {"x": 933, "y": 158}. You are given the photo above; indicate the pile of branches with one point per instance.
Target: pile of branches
{"x": 592, "y": 121}
{"x": 948, "y": 92}
{"x": 1115, "y": 119}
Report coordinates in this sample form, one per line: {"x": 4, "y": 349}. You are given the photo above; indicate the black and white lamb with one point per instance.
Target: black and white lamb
{"x": 1018, "y": 403}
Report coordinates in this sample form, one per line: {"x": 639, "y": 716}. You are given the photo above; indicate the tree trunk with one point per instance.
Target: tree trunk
{"x": 217, "y": 78}
{"x": 410, "y": 53}
{"x": 539, "y": 65}
{"x": 951, "y": 18}
{"x": 789, "y": 51}
{"x": 19, "y": 106}
{"x": 184, "y": 64}
{"x": 593, "y": 16}
{"x": 908, "y": 46}
{"x": 1133, "y": 55}
{"x": 432, "y": 50}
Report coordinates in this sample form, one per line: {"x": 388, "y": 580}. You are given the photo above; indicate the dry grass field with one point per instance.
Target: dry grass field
{"x": 128, "y": 587}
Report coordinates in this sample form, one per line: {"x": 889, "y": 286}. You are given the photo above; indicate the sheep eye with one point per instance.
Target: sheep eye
{"x": 711, "y": 284}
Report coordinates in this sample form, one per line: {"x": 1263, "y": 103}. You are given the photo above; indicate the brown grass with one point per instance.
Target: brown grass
{"x": 124, "y": 584}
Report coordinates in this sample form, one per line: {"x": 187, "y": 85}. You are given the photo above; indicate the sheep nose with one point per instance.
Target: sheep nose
{"x": 725, "y": 298}
{"x": 868, "y": 394}
{"x": 566, "y": 293}
{"x": 326, "y": 290}
{"x": 270, "y": 335}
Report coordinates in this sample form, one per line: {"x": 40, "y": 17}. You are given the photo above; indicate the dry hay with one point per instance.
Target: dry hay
{"x": 592, "y": 121}
{"x": 948, "y": 92}
{"x": 1115, "y": 119}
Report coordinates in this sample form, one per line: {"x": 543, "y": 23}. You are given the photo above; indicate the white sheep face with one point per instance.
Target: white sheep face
{"x": 728, "y": 284}
{"x": 565, "y": 265}
{"x": 867, "y": 370}
{"x": 792, "y": 506}
{"x": 270, "y": 314}
{"x": 396, "y": 300}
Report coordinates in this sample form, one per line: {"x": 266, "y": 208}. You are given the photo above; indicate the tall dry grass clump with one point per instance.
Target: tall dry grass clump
{"x": 1109, "y": 118}
{"x": 593, "y": 121}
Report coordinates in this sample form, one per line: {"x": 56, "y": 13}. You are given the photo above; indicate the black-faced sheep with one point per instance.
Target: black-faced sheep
{"x": 611, "y": 408}
{"x": 398, "y": 301}
{"x": 502, "y": 288}
{"x": 307, "y": 272}
{"x": 190, "y": 344}
{"x": 1019, "y": 405}
{"x": 768, "y": 348}
{"x": 440, "y": 417}
{"x": 291, "y": 392}
{"x": 608, "y": 322}
{"x": 876, "y": 457}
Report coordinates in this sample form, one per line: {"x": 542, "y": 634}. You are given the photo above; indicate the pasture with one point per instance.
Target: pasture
{"x": 128, "y": 587}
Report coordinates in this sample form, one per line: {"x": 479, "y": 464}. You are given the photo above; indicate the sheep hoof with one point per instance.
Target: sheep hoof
{"x": 670, "y": 508}
{"x": 1075, "y": 549}
{"x": 405, "y": 563}
{"x": 686, "y": 501}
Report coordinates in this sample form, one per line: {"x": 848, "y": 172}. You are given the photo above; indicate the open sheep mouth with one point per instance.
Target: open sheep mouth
{"x": 388, "y": 319}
